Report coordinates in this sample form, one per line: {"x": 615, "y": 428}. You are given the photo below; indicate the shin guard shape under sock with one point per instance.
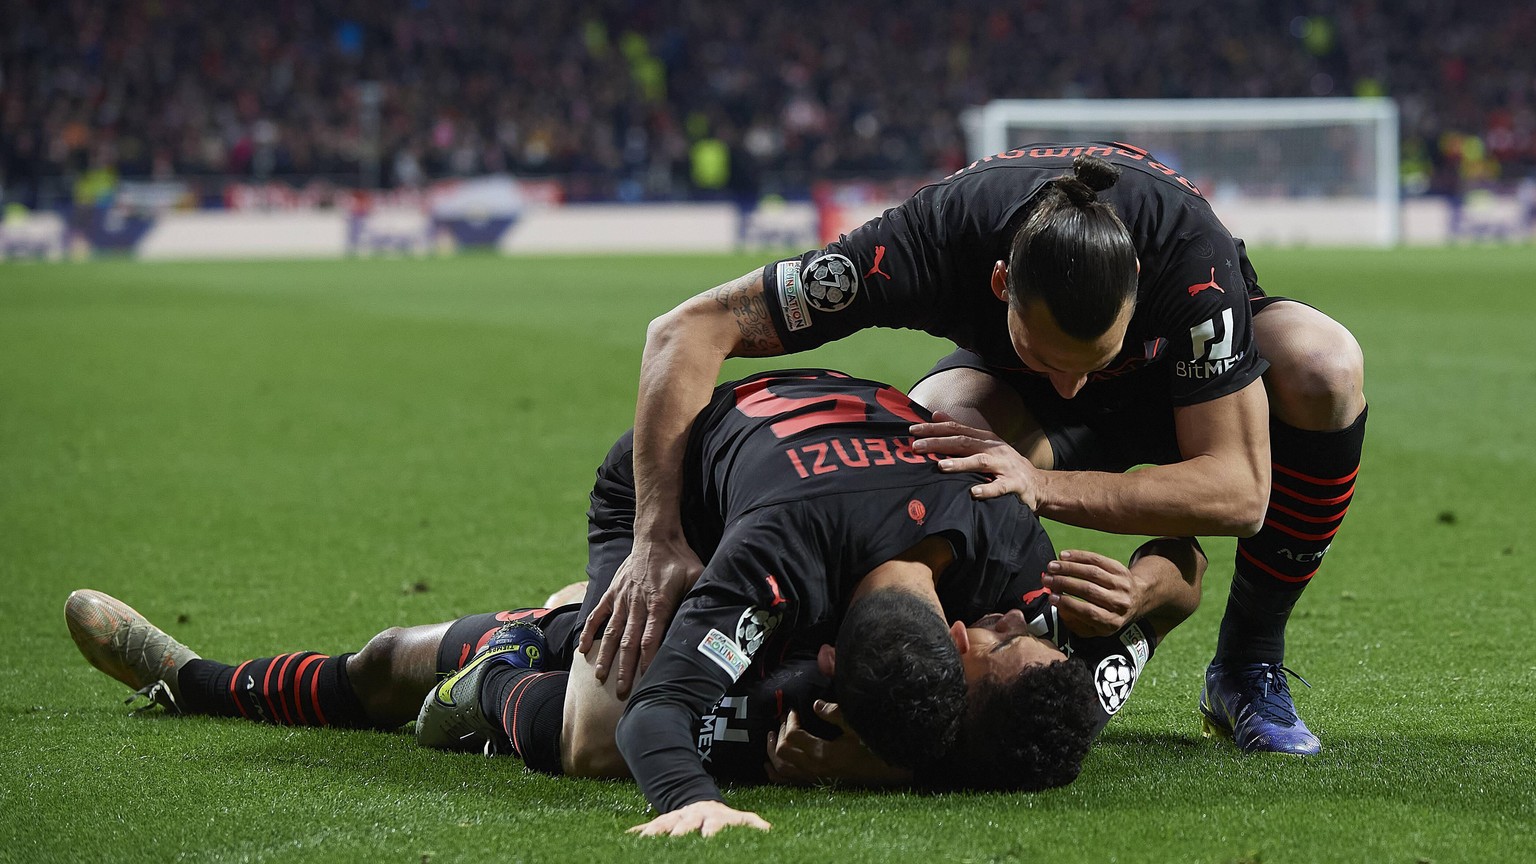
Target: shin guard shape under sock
{"x": 527, "y": 705}
{"x": 1313, "y": 481}
{"x": 298, "y": 689}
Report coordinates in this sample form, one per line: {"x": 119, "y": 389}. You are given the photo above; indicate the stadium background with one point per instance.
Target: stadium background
{"x": 296, "y": 453}
{"x": 114, "y": 114}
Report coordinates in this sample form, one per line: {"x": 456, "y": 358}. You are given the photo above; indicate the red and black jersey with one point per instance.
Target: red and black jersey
{"x": 927, "y": 263}
{"x": 731, "y": 736}
{"x": 809, "y": 479}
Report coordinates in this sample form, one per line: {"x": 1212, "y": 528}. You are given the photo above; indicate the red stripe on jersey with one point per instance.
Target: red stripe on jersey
{"x": 282, "y": 702}
{"x": 266, "y": 689}
{"x": 314, "y": 696}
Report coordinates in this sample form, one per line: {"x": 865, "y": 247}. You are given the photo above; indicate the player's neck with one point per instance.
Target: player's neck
{"x": 915, "y": 571}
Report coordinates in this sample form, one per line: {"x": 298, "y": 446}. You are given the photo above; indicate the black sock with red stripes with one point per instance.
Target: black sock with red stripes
{"x": 1312, "y": 483}
{"x": 528, "y": 706}
{"x": 298, "y": 689}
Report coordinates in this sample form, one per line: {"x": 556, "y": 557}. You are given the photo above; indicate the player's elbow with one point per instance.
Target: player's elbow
{"x": 665, "y": 328}
{"x": 1234, "y": 511}
{"x": 689, "y": 327}
{"x": 1238, "y": 500}
{"x": 1246, "y": 515}
{"x": 627, "y": 738}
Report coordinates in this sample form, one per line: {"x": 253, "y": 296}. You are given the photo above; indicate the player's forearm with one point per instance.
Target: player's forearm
{"x": 656, "y": 739}
{"x": 684, "y": 350}
{"x": 677, "y": 376}
{"x": 1170, "y": 570}
{"x": 1201, "y": 496}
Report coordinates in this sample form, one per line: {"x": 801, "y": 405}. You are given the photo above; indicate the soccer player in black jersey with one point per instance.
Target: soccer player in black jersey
{"x": 803, "y": 493}
{"x": 1104, "y": 319}
{"x": 818, "y": 499}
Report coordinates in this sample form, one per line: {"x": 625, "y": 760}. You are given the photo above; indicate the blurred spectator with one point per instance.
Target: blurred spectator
{"x": 605, "y": 89}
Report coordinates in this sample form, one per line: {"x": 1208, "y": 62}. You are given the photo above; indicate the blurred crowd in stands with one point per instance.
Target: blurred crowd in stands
{"x": 670, "y": 98}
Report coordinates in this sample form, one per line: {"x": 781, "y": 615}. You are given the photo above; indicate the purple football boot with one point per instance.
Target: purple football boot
{"x": 1251, "y": 704}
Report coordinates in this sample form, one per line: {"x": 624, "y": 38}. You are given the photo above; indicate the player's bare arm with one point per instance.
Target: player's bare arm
{"x": 1221, "y": 487}
{"x": 1096, "y": 595}
{"x": 684, "y": 350}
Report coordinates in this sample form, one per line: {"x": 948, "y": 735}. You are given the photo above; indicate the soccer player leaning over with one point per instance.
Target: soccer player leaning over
{"x": 813, "y": 511}
{"x": 1104, "y": 318}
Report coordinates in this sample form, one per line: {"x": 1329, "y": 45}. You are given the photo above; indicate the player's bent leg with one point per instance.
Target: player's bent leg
{"x": 977, "y": 398}
{"x": 460, "y": 712}
{"x": 592, "y": 711}
{"x": 1316, "y": 377}
{"x": 1317, "y": 429}
{"x": 572, "y": 593}
{"x": 394, "y": 671}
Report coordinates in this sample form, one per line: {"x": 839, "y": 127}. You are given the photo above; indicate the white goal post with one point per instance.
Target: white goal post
{"x": 1278, "y": 171}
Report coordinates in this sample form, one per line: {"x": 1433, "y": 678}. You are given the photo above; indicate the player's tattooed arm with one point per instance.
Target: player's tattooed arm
{"x": 684, "y": 350}
{"x": 743, "y": 298}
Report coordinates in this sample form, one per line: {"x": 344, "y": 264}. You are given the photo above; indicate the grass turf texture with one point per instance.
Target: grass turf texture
{"x": 267, "y": 457}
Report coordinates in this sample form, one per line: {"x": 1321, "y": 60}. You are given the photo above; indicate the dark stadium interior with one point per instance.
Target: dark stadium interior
{"x": 623, "y": 99}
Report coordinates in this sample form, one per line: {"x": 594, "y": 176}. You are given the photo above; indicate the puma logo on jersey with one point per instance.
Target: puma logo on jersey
{"x": 880, "y": 256}
{"x": 1201, "y": 286}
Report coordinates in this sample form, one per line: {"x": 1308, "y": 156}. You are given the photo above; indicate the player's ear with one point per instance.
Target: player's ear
{"x": 1000, "y": 281}
{"x": 826, "y": 660}
{"x": 1138, "y": 266}
{"x": 961, "y": 636}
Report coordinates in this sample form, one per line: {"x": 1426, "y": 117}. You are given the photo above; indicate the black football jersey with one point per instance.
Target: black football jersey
{"x": 731, "y": 736}
{"x": 927, "y": 263}
{"x": 813, "y": 481}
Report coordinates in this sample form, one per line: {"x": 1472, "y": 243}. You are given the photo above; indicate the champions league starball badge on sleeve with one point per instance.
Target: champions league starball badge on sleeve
{"x": 831, "y": 283}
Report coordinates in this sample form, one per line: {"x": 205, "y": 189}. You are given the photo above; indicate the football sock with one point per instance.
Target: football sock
{"x": 527, "y": 705}
{"x": 298, "y": 689}
{"x": 1312, "y": 482}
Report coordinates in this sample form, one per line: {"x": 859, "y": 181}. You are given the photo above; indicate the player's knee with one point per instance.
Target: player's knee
{"x": 1317, "y": 382}
{"x": 976, "y": 398}
{"x": 377, "y": 660}
{"x": 585, "y": 753}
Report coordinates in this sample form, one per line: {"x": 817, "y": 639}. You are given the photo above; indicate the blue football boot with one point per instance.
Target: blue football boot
{"x": 451, "y": 718}
{"x": 1251, "y": 704}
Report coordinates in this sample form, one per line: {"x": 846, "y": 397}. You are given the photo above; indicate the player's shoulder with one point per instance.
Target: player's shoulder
{"x": 1149, "y": 195}
{"x": 1045, "y": 161}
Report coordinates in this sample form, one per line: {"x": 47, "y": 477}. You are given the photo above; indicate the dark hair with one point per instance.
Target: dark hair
{"x": 899, "y": 678}
{"x": 1024, "y": 735}
{"x": 1074, "y": 253}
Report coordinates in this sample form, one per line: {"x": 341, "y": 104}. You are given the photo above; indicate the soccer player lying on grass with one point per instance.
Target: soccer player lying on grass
{"x": 806, "y": 499}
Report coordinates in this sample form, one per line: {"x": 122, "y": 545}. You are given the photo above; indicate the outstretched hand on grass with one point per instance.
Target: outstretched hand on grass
{"x": 708, "y": 818}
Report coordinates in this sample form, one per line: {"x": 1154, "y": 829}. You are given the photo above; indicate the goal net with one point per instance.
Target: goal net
{"x": 1277, "y": 171}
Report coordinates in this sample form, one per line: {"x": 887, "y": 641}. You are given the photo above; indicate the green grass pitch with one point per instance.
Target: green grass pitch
{"x": 267, "y": 457}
